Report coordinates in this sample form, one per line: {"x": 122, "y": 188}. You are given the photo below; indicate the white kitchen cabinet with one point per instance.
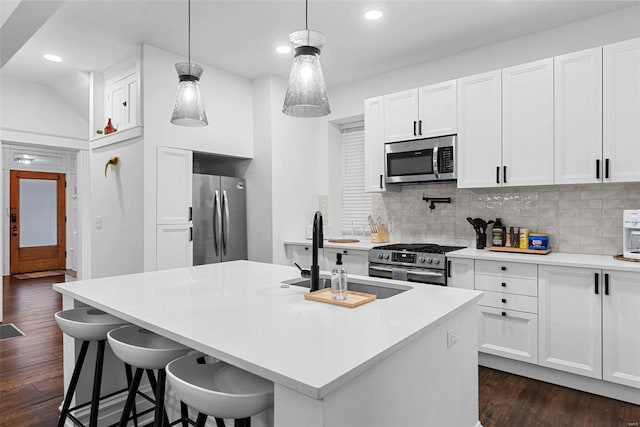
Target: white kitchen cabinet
{"x": 425, "y": 112}
{"x": 174, "y": 246}
{"x": 570, "y": 313}
{"x": 303, "y": 255}
{"x": 174, "y": 184}
{"x": 461, "y": 273}
{"x": 621, "y": 111}
{"x": 121, "y": 99}
{"x": 508, "y": 310}
{"x": 355, "y": 261}
{"x": 578, "y": 117}
{"x": 374, "y": 146}
{"x": 527, "y": 124}
{"x": 479, "y": 130}
{"x": 621, "y": 328}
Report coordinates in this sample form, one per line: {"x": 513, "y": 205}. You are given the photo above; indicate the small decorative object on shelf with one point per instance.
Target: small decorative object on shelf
{"x": 109, "y": 128}
{"x": 99, "y": 132}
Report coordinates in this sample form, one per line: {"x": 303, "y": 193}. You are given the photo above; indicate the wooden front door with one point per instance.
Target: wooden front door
{"x": 37, "y": 221}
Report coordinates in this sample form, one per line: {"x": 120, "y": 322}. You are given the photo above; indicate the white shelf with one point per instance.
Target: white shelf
{"x": 118, "y": 136}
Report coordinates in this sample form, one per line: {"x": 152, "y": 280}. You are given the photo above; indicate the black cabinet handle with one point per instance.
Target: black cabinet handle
{"x": 306, "y": 248}
{"x": 597, "y": 168}
{"x": 504, "y": 300}
{"x": 606, "y": 168}
{"x": 504, "y": 174}
{"x": 381, "y": 182}
{"x": 606, "y": 283}
{"x": 420, "y": 127}
{"x": 414, "y": 128}
{"x": 191, "y": 234}
{"x": 503, "y": 268}
{"x": 504, "y": 285}
{"x": 504, "y": 313}
{"x": 448, "y": 268}
{"x": 190, "y": 213}
{"x": 497, "y": 174}
{"x": 345, "y": 252}
{"x": 124, "y": 104}
{"x": 597, "y": 280}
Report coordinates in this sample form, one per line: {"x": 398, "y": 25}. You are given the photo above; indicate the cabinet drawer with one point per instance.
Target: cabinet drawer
{"x": 507, "y": 269}
{"x": 509, "y": 285}
{"x": 508, "y": 333}
{"x": 503, "y": 300}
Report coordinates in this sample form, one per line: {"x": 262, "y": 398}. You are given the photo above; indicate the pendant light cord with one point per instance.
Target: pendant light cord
{"x": 306, "y": 14}
{"x": 189, "y": 35}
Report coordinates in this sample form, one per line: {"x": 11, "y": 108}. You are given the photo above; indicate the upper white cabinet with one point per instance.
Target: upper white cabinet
{"x": 578, "y": 117}
{"x": 479, "y": 130}
{"x": 374, "y": 145}
{"x": 420, "y": 113}
{"x": 122, "y": 99}
{"x": 174, "y": 180}
{"x": 527, "y": 124}
{"x": 621, "y": 111}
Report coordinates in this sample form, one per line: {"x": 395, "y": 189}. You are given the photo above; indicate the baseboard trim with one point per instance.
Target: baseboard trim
{"x": 565, "y": 379}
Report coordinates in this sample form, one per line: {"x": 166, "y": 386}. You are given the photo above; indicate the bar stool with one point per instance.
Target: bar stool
{"x": 87, "y": 324}
{"x": 146, "y": 351}
{"x": 218, "y": 389}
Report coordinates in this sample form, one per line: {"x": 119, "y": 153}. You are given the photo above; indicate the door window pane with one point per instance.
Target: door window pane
{"x": 38, "y": 212}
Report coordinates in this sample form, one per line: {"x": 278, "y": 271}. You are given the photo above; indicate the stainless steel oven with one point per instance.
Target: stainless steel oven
{"x": 430, "y": 159}
{"x": 421, "y": 263}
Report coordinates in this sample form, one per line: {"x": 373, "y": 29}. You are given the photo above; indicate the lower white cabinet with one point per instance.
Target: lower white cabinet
{"x": 508, "y": 333}
{"x": 355, "y": 261}
{"x": 621, "y": 328}
{"x": 461, "y": 273}
{"x": 174, "y": 246}
{"x": 302, "y": 255}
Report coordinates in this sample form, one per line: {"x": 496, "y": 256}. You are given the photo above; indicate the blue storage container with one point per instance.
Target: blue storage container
{"x": 538, "y": 241}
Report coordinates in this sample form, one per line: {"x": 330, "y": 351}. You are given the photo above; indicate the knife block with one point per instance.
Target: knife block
{"x": 481, "y": 240}
{"x": 380, "y": 236}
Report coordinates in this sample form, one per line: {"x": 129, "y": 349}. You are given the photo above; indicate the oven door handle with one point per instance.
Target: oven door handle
{"x": 425, "y": 273}
{"x": 436, "y": 167}
{"x": 388, "y": 270}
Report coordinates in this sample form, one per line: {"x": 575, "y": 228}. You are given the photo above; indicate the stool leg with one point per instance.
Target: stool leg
{"x": 127, "y": 369}
{"x": 131, "y": 397}
{"x": 160, "y": 418}
{"x": 243, "y": 422}
{"x": 97, "y": 382}
{"x": 73, "y": 383}
{"x": 220, "y": 422}
{"x": 201, "y": 420}
{"x": 184, "y": 414}
{"x": 152, "y": 381}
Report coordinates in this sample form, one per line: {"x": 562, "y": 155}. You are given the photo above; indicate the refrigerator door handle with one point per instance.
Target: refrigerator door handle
{"x": 217, "y": 221}
{"x": 225, "y": 223}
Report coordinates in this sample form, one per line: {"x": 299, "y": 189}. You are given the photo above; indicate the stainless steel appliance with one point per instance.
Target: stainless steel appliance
{"x": 430, "y": 159}
{"x": 631, "y": 234}
{"x": 219, "y": 219}
{"x": 420, "y": 262}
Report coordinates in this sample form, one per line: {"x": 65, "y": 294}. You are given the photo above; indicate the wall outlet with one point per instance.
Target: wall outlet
{"x": 452, "y": 336}
{"x": 98, "y": 222}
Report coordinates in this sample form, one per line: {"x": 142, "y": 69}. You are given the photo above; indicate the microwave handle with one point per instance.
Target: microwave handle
{"x": 435, "y": 162}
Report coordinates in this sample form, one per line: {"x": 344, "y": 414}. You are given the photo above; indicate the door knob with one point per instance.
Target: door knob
{"x": 14, "y": 231}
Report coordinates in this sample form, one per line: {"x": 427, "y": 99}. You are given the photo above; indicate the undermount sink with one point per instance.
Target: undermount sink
{"x": 377, "y": 289}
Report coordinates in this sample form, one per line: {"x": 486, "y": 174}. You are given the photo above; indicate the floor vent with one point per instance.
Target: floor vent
{"x": 10, "y": 331}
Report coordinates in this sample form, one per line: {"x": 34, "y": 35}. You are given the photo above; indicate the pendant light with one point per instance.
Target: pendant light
{"x": 306, "y": 93}
{"x": 188, "y": 109}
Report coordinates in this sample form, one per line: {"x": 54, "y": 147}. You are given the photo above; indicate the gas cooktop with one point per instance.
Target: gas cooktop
{"x": 430, "y": 248}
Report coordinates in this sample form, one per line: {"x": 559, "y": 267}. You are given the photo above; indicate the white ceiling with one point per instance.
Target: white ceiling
{"x": 241, "y": 36}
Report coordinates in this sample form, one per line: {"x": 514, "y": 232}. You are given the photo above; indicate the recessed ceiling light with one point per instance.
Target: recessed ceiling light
{"x": 283, "y": 49}
{"x": 52, "y": 58}
{"x": 372, "y": 15}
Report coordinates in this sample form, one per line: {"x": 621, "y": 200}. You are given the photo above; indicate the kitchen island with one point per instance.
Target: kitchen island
{"x": 409, "y": 360}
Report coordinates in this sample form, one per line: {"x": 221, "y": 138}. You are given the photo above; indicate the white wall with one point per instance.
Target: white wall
{"x": 30, "y": 107}
{"x": 117, "y": 248}
{"x": 228, "y": 101}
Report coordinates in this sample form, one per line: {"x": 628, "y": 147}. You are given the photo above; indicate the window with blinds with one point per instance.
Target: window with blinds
{"x": 356, "y": 204}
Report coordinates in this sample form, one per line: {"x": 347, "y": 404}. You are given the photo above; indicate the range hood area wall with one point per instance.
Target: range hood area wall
{"x": 579, "y": 218}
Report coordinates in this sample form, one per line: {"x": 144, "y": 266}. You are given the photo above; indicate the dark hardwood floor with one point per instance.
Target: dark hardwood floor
{"x": 31, "y": 384}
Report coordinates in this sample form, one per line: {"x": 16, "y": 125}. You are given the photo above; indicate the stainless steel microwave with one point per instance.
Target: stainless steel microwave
{"x": 421, "y": 160}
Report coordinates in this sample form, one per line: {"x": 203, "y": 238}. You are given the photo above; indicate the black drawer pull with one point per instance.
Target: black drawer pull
{"x": 504, "y": 313}
{"x": 606, "y": 283}
{"x": 597, "y": 280}
{"x": 597, "y": 168}
{"x": 504, "y": 285}
{"x": 497, "y": 174}
{"x": 504, "y": 300}
{"x": 503, "y": 268}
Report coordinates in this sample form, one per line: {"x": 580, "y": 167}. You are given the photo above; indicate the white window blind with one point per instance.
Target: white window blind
{"x": 356, "y": 204}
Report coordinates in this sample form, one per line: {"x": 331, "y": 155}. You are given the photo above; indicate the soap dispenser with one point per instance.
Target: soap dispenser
{"x": 339, "y": 280}
{"x": 497, "y": 234}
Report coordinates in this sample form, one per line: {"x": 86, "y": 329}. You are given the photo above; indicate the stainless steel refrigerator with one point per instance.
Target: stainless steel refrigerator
{"x": 219, "y": 219}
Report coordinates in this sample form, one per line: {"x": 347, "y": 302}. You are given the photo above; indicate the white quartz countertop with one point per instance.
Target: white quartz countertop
{"x": 553, "y": 258}
{"x": 238, "y": 312}
{"x": 362, "y": 245}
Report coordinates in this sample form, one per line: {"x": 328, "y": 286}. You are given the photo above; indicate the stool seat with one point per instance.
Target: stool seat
{"x": 142, "y": 348}
{"x": 219, "y": 389}
{"x": 87, "y": 323}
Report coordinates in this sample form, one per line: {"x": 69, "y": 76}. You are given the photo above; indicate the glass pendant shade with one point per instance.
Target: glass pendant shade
{"x": 306, "y": 93}
{"x": 188, "y": 109}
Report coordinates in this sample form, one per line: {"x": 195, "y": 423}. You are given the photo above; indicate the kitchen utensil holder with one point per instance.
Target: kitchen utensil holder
{"x": 481, "y": 240}
{"x": 380, "y": 236}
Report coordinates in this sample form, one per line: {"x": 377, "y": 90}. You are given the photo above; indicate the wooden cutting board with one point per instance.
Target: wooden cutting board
{"x": 354, "y": 298}
{"x": 517, "y": 250}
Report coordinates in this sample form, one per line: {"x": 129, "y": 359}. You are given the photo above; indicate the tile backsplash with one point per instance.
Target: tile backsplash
{"x": 578, "y": 218}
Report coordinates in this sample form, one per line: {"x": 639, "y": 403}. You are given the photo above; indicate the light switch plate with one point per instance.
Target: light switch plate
{"x": 452, "y": 336}
{"x": 98, "y": 222}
